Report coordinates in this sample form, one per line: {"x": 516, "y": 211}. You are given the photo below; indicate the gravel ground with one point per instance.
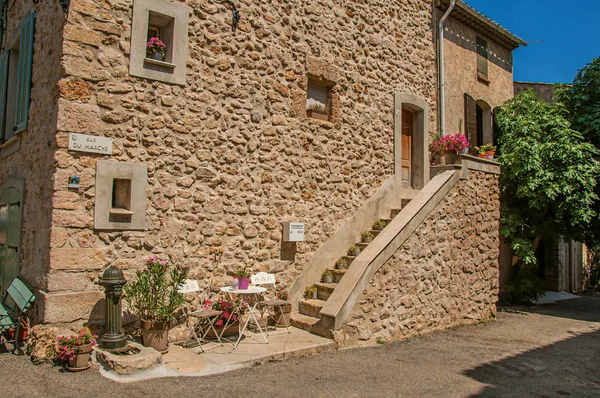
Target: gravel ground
{"x": 544, "y": 351}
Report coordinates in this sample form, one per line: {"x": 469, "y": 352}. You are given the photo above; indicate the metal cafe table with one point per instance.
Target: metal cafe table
{"x": 251, "y": 291}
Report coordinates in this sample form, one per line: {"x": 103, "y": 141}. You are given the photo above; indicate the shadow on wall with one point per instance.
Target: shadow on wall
{"x": 566, "y": 368}
{"x": 470, "y": 45}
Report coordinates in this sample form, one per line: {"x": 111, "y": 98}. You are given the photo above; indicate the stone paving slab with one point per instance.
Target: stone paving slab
{"x": 252, "y": 349}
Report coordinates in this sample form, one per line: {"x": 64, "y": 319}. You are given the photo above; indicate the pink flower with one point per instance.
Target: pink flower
{"x": 219, "y": 322}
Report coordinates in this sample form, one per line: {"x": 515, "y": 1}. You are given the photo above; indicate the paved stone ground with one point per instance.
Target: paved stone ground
{"x": 543, "y": 351}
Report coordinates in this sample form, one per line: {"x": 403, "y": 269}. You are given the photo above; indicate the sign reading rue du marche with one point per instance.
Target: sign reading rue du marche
{"x": 90, "y": 143}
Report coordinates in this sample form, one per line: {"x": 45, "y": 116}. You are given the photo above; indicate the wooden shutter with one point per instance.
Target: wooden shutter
{"x": 10, "y": 236}
{"x": 24, "y": 72}
{"x": 3, "y": 92}
{"x": 471, "y": 122}
{"x": 482, "y": 57}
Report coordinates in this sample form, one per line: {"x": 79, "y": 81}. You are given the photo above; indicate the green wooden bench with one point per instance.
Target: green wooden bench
{"x": 15, "y": 303}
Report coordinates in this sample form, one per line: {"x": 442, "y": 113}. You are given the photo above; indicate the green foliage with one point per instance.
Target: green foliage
{"x": 548, "y": 177}
{"x": 592, "y": 278}
{"x": 524, "y": 287}
{"x": 154, "y": 294}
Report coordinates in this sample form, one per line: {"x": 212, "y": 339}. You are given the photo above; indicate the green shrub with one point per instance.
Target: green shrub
{"x": 592, "y": 278}
{"x": 524, "y": 287}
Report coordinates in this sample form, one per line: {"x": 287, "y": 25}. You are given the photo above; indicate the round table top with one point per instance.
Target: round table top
{"x": 250, "y": 290}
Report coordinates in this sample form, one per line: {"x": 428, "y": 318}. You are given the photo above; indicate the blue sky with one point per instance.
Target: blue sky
{"x": 569, "y": 30}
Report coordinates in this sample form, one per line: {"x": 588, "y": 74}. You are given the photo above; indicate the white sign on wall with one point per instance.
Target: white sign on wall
{"x": 90, "y": 143}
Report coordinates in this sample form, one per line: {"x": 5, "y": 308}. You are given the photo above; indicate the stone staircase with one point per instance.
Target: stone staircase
{"x": 308, "y": 316}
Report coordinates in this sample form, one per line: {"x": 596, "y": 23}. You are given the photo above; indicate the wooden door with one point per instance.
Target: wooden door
{"x": 10, "y": 227}
{"x": 407, "y": 137}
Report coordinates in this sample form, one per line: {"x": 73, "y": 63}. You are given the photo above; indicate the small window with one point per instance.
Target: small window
{"x": 121, "y": 195}
{"x": 318, "y": 101}
{"x": 161, "y": 27}
{"x": 482, "y": 58}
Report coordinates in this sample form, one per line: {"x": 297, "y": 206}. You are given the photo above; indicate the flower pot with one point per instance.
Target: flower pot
{"x": 489, "y": 155}
{"x": 367, "y": 239}
{"x": 155, "y": 335}
{"x": 481, "y": 155}
{"x": 156, "y": 56}
{"x": 282, "y": 315}
{"x": 81, "y": 360}
{"x": 448, "y": 158}
{"x": 355, "y": 252}
{"x": 327, "y": 278}
{"x": 22, "y": 331}
{"x": 339, "y": 265}
{"x": 465, "y": 151}
{"x": 232, "y": 330}
{"x": 243, "y": 283}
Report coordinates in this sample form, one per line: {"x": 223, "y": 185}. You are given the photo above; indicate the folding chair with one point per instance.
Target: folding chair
{"x": 15, "y": 303}
{"x": 199, "y": 322}
{"x": 270, "y": 307}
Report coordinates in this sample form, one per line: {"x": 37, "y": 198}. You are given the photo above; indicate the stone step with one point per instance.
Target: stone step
{"x": 311, "y": 307}
{"x": 311, "y": 324}
{"x": 387, "y": 220}
{"x": 324, "y": 290}
{"x": 338, "y": 274}
{"x": 349, "y": 260}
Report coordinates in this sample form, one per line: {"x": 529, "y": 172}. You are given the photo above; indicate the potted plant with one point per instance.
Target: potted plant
{"x": 232, "y": 309}
{"x": 367, "y": 237}
{"x": 379, "y": 225}
{"x": 317, "y": 110}
{"x": 354, "y": 251}
{"x": 341, "y": 263}
{"x": 75, "y": 350}
{"x": 310, "y": 292}
{"x": 447, "y": 146}
{"x": 327, "y": 276}
{"x": 156, "y": 49}
{"x": 283, "y": 312}
{"x": 490, "y": 151}
{"x": 480, "y": 151}
{"x": 154, "y": 297}
{"x": 243, "y": 275}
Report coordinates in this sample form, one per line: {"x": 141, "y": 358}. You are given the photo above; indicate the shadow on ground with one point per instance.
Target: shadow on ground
{"x": 570, "y": 367}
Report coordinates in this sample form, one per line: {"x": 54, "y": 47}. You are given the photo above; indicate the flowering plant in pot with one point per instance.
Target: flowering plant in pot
{"x": 341, "y": 263}
{"x": 232, "y": 309}
{"x": 283, "y": 312}
{"x": 243, "y": 275}
{"x": 310, "y": 292}
{"x": 155, "y": 298}
{"x": 448, "y": 146}
{"x": 327, "y": 276}
{"x": 75, "y": 350}
{"x": 156, "y": 49}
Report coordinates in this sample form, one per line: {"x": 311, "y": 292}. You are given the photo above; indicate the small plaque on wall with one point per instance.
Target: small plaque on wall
{"x": 90, "y": 143}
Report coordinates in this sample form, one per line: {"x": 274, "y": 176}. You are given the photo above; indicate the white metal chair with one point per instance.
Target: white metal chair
{"x": 199, "y": 322}
{"x": 272, "y": 308}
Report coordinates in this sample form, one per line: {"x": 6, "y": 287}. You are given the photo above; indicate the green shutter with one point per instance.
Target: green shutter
{"x": 3, "y": 89}
{"x": 24, "y": 72}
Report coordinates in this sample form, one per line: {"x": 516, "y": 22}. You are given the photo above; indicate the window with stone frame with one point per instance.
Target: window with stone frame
{"x": 15, "y": 81}
{"x": 168, "y": 22}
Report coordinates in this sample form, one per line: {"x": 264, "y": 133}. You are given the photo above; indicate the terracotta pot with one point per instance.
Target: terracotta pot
{"x": 231, "y": 330}
{"x": 283, "y": 314}
{"x": 481, "y": 155}
{"x": 155, "y": 335}
{"x": 22, "y": 331}
{"x": 489, "y": 155}
{"x": 448, "y": 158}
{"x": 81, "y": 360}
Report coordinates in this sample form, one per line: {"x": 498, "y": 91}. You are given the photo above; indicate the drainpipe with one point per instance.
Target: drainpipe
{"x": 441, "y": 65}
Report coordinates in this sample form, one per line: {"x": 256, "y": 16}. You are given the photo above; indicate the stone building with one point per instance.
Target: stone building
{"x": 305, "y": 111}
{"x": 478, "y": 71}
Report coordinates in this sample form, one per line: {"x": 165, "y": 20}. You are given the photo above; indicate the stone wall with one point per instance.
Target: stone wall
{"x": 230, "y": 155}
{"x": 446, "y": 274}
{"x": 460, "y": 57}
{"x": 34, "y": 160}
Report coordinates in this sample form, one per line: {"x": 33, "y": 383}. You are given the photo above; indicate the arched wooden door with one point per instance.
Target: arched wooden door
{"x": 10, "y": 236}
